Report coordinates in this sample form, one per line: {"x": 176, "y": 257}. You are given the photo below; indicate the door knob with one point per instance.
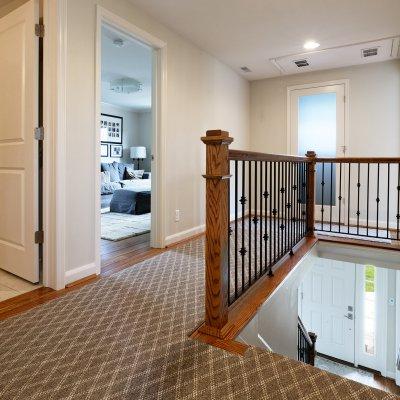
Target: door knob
{"x": 349, "y": 316}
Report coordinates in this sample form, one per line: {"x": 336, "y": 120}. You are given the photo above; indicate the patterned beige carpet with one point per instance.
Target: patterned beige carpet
{"x": 126, "y": 337}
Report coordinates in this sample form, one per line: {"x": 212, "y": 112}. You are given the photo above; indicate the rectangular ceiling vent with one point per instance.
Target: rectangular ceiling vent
{"x": 301, "y": 63}
{"x": 245, "y": 69}
{"x": 369, "y": 52}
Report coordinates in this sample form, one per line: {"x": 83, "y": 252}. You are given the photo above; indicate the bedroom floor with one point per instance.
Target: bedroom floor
{"x": 116, "y": 256}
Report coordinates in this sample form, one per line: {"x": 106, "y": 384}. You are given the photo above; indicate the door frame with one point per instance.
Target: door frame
{"x": 291, "y": 89}
{"x": 381, "y": 317}
{"x": 157, "y": 235}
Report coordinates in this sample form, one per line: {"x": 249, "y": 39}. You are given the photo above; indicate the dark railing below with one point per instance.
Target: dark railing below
{"x": 305, "y": 344}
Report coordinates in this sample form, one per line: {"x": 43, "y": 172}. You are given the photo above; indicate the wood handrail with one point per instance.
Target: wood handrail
{"x": 361, "y": 160}
{"x": 242, "y": 155}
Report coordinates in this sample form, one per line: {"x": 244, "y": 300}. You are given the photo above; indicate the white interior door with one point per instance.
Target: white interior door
{"x": 327, "y": 307}
{"x": 317, "y": 122}
{"x": 19, "y": 57}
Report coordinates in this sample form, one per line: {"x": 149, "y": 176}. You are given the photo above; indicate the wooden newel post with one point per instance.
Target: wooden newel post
{"x": 217, "y": 223}
{"x": 310, "y": 198}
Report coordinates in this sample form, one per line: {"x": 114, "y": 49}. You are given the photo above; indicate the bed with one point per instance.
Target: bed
{"x": 133, "y": 198}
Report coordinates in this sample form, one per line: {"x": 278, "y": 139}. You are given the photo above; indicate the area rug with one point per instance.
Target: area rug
{"x": 116, "y": 226}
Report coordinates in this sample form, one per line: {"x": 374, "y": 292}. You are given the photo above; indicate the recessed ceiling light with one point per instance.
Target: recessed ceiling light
{"x": 311, "y": 45}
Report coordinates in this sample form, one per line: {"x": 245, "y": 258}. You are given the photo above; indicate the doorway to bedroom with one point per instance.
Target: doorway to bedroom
{"x": 126, "y": 131}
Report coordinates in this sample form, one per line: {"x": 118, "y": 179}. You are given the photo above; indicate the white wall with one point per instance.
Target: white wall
{"x": 276, "y": 320}
{"x": 145, "y": 128}
{"x": 202, "y": 93}
{"x": 374, "y": 103}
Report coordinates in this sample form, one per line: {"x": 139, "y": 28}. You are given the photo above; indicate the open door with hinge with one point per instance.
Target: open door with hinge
{"x": 19, "y": 166}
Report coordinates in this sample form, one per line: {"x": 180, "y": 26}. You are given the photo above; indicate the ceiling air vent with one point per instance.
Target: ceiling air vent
{"x": 369, "y": 52}
{"x": 245, "y": 69}
{"x": 301, "y": 63}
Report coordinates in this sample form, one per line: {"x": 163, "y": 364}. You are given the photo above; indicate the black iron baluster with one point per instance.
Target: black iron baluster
{"x": 348, "y": 203}
{"x": 358, "y": 199}
{"x": 322, "y": 196}
{"x": 304, "y": 203}
{"x": 261, "y": 216}
{"x": 298, "y": 194}
{"x": 271, "y": 237}
{"x": 290, "y": 209}
{"x": 229, "y": 233}
{"x": 398, "y": 202}
{"x": 255, "y": 220}
{"x": 236, "y": 228}
{"x": 377, "y": 202}
{"x": 274, "y": 212}
{"x": 243, "y": 202}
{"x": 265, "y": 237}
{"x": 340, "y": 195}
{"x": 286, "y": 207}
{"x": 278, "y": 193}
{"x": 331, "y": 200}
{"x": 368, "y": 197}
{"x": 249, "y": 257}
{"x": 388, "y": 202}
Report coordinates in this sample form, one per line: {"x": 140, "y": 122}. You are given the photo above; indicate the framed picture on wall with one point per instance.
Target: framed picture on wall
{"x": 104, "y": 150}
{"x": 111, "y": 128}
{"x": 116, "y": 150}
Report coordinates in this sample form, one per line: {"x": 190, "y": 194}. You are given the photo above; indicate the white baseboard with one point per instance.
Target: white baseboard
{"x": 391, "y": 374}
{"x": 177, "y": 237}
{"x": 80, "y": 272}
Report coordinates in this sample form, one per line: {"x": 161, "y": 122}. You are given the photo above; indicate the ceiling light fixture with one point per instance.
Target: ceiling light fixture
{"x": 125, "y": 85}
{"x": 311, "y": 45}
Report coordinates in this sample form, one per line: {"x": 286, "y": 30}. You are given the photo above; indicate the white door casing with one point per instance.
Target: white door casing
{"x": 19, "y": 58}
{"x": 327, "y": 307}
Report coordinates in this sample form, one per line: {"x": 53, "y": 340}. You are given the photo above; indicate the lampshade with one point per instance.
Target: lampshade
{"x": 138, "y": 152}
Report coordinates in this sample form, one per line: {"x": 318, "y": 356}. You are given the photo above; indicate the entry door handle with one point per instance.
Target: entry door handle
{"x": 349, "y": 316}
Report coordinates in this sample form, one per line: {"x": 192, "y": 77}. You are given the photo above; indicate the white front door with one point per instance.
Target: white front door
{"x": 18, "y": 148}
{"x": 317, "y": 122}
{"x": 327, "y": 307}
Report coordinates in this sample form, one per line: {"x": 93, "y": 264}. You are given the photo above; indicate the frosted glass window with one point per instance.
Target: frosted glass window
{"x": 369, "y": 309}
{"x": 317, "y": 131}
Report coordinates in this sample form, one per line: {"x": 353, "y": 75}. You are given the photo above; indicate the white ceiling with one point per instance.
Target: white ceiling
{"x": 251, "y": 32}
{"x": 133, "y": 60}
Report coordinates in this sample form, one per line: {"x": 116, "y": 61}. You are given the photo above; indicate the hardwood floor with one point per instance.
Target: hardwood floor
{"x": 116, "y": 256}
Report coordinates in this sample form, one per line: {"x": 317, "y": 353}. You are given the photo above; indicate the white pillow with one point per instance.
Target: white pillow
{"x": 105, "y": 177}
{"x": 134, "y": 174}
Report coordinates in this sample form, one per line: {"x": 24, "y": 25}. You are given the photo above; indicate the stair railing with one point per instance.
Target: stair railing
{"x": 305, "y": 344}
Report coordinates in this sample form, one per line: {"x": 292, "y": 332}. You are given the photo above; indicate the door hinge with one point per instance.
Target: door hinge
{"x": 39, "y": 30}
{"x": 39, "y": 237}
{"x": 39, "y": 133}
{"x": 344, "y": 99}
